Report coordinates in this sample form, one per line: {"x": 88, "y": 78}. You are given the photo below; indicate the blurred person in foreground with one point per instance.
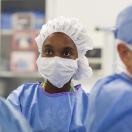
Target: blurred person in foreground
{"x": 11, "y": 120}
{"x": 110, "y": 103}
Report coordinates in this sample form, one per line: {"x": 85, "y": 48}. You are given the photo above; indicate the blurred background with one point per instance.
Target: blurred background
{"x": 21, "y": 21}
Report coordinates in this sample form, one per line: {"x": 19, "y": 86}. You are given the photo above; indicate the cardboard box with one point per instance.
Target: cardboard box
{"x": 23, "y": 20}
{"x": 23, "y": 61}
{"x": 24, "y": 40}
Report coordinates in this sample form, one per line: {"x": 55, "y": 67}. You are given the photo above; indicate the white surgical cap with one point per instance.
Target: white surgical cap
{"x": 71, "y": 27}
{"x": 76, "y": 31}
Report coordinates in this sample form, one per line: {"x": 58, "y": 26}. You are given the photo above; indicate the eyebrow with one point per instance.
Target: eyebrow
{"x": 47, "y": 46}
{"x": 68, "y": 48}
{"x": 50, "y": 46}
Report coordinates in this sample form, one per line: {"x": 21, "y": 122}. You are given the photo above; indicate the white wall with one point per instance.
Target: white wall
{"x": 91, "y": 12}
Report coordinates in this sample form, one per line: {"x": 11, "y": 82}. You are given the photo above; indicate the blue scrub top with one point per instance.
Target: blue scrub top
{"x": 59, "y": 112}
{"x": 11, "y": 120}
{"x": 110, "y": 105}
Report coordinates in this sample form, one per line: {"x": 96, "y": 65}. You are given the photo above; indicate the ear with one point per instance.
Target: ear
{"x": 123, "y": 52}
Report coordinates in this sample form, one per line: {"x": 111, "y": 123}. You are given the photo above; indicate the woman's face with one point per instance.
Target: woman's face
{"x": 59, "y": 44}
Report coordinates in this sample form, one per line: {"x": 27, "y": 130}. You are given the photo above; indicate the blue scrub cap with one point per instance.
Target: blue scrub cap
{"x": 123, "y": 29}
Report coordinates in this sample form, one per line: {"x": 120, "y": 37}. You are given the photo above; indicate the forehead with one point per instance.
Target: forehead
{"x": 59, "y": 39}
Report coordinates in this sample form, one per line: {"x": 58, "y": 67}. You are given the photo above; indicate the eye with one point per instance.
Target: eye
{"x": 67, "y": 53}
{"x": 48, "y": 52}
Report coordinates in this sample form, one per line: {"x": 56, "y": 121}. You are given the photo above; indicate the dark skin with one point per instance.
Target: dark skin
{"x": 61, "y": 45}
{"x": 126, "y": 56}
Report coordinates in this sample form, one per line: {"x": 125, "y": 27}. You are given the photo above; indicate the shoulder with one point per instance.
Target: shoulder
{"x": 107, "y": 80}
{"x": 23, "y": 92}
{"x": 112, "y": 90}
{"x": 22, "y": 96}
{"x": 26, "y": 88}
{"x": 110, "y": 101}
{"x": 112, "y": 83}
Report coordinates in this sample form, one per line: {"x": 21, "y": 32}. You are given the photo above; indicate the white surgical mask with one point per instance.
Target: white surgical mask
{"x": 58, "y": 71}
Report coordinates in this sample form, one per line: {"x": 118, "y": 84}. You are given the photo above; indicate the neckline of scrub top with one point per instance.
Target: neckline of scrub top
{"x": 128, "y": 79}
{"x": 72, "y": 89}
{"x": 77, "y": 89}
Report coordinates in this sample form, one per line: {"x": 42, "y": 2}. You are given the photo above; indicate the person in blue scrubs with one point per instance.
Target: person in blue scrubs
{"x": 11, "y": 120}
{"x": 110, "y": 102}
{"x": 56, "y": 104}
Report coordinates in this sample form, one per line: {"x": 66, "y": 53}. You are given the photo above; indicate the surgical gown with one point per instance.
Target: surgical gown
{"x": 11, "y": 120}
{"x": 110, "y": 105}
{"x": 58, "y": 112}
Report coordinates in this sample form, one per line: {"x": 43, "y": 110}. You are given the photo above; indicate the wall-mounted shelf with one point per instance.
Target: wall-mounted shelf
{"x": 6, "y": 32}
{"x": 9, "y": 32}
{"x": 22, "y": 5}
{"x": 8, "y": 74}
{"x": 35, "y": 9}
